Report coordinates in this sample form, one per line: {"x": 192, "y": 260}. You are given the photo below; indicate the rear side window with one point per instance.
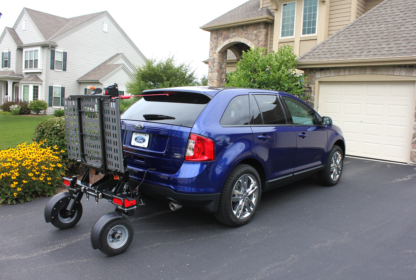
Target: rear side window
{"x": 301, "y": 114}
{"x": 271, "y": 109}
{"x": 179, "y": 108}
{"x": 254, "y": 112}
{"x": 237, "y": 112}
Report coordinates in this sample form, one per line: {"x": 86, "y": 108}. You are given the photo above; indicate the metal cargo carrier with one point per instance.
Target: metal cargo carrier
{"x": 94, "y": 138}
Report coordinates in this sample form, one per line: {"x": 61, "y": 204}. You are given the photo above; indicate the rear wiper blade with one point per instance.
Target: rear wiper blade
{"x": 157, "y": 117}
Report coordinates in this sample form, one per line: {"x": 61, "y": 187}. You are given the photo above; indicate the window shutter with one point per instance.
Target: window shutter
{"x": 50, "y": 95}
{"x": 52, "y": 59}
{"x": 2, "y": 60}
{"x": 62, "y": 95}
{"x": 9, "y": 59}
{"x": 85, "y": 91}
{"x": 64, "y": 63}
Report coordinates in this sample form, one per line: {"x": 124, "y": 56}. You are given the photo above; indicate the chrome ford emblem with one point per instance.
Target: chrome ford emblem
{"x": 139, "y": 126}
{"x": 140, "y": 139}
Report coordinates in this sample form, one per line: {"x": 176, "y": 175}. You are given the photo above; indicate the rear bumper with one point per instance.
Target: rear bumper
{"x": 205, "y": 202}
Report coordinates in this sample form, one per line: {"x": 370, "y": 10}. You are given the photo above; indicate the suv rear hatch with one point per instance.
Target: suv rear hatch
{"x": 157, "y": 127}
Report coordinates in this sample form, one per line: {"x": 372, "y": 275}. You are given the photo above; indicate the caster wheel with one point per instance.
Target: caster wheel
{"x": 65, "y": 219}
{"x": 116, "y": 236}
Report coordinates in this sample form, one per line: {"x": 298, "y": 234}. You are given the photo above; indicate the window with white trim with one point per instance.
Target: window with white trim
{"x": 6, "y": 59}
{"x": 56, "y": 96}
{"x": 26, "y": 93}
{"x": 288, "y": 19}
{"x": 310, "y": 15}
{"x": 31, "y": 59}
{"x": 59, "y": 60}
{"x": 105, "y": 27}
{"x": 35, "y": 93}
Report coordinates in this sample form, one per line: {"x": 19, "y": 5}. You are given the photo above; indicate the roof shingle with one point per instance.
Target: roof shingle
{"x": 51, "y": 26}
{"x": 14, "y": 35}
{"x": 247, "y": 10}
{"x": 387, "y": 31}
{"x": 101, "y": 70}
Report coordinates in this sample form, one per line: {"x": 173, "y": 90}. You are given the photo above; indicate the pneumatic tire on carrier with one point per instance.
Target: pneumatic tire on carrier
{"x": 65, "y": 219}
{"x": 116, "y": 236}
{"x": 240, "y": 196}
{"x": 332, "y": 172}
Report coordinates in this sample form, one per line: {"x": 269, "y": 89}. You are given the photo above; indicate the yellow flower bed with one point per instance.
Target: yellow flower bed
{"x": 29, "y": 170}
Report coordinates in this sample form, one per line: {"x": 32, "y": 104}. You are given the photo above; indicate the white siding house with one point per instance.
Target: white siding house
{"x": 48, "y": 57}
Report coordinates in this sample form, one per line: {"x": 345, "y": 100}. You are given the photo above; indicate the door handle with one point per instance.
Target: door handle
{"x": 264, "y": 137}
{"x": 303, "y": 135}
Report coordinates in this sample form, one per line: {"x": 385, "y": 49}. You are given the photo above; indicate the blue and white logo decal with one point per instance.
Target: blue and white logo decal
{"x": 140, "y": 139}
{"x": 139, "y": 126}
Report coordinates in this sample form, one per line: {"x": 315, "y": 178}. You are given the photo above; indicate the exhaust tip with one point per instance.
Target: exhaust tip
{"x": 174, "y": 206}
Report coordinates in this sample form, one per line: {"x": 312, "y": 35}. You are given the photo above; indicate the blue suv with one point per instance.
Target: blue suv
{"x": 220, "y": 149}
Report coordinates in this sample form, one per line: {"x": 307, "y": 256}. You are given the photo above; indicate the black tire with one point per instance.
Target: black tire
{"x": 225, "y": 213}
{"x": 326, "y": 176}
{"x": 116, "y": 226}
{"x": 65, "y": 220}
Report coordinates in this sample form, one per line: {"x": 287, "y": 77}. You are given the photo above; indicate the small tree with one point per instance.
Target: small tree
{"x": 37, "y": 106}
{"x": 262, "y": 70}
{"x": 161, "y": 74}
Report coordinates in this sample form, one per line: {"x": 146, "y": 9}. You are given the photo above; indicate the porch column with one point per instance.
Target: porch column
{"x": 3, "y": 92}
{"x": 10, "y": 89}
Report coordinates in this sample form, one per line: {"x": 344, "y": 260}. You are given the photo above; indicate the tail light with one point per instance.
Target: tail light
{"x": 106, "y": 93}
{"x": 117, "y": 201}
{"x": 127, "y": 202}
{"x": 67, "y": 183}
{"x": 200, "y": 148}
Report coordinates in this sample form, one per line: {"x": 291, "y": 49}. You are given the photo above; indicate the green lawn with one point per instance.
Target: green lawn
{"x": 15, "y": 130}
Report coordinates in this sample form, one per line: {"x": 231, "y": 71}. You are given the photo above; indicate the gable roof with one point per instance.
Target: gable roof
{"x": 51, "y": 26}
{"x": 101, "y": 70}
{"x": 387, "y": 31}
{"x": 11, "y": 74}
{"x": 14, "y": 35}
{"x": 246, "y": 11}
{"x": 32, "y": 78}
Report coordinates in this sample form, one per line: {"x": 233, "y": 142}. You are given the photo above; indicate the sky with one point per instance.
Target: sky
{"x": 158, "y": 28}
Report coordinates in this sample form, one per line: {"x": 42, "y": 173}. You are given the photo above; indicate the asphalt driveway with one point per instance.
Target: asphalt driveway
{"x": 363, "y": 228}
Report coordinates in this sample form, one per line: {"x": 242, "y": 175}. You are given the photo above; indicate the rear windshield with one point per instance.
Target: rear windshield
{"x": 179, "y": 108}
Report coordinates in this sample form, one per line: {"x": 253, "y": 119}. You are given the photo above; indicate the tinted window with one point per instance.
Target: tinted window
{"x": 271, "y": 110}
{"x": 254, "y": 112}
{"x": 236, "y": 112}
{"x": 179, "y": 108}
{"x": 301, "y": 114}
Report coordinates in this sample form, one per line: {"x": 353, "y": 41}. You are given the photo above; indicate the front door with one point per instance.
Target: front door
{"x": 16, "y": 94}
{"x": 275, "y": 140}
{"x": 311, "y": 137}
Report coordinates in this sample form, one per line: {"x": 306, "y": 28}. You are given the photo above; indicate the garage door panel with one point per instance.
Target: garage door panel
{"x": 399, "y": 111}
{"x": 377, "y": 90}
{"x": 374, "y": 109}
{"x": 352, "y": 108}
{"x": 397, "y": 131}
{"x": 376, "y": 117}
{"x": 370, "y": 148}
{"x": 373, "y": 129}
{"x": 331, "y": 107}
{"x": 396, "y": 152}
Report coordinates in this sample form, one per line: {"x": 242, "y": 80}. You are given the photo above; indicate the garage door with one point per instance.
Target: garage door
{"x": 376, "y": 117}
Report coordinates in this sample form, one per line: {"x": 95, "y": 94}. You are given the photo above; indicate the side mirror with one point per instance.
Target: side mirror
{"x": 326, "y": 121}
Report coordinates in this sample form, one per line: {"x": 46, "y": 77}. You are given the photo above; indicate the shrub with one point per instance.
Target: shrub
{"x": 59, "y": 112}
{"x": 24, "y": 108}
{"x": 6, "y": 106}
{"x": 54, "y": 133}
{"x": 15, "y": 109}
{"x": 28, "y": 171}
{"x": 37, "y": 106}
{"x": 263, "y": 70}
{"x": 126, "y": 103}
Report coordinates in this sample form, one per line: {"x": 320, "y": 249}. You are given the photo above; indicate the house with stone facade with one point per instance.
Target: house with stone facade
{"x": 359, "y": 58}
{"x": 47, "y": 57}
